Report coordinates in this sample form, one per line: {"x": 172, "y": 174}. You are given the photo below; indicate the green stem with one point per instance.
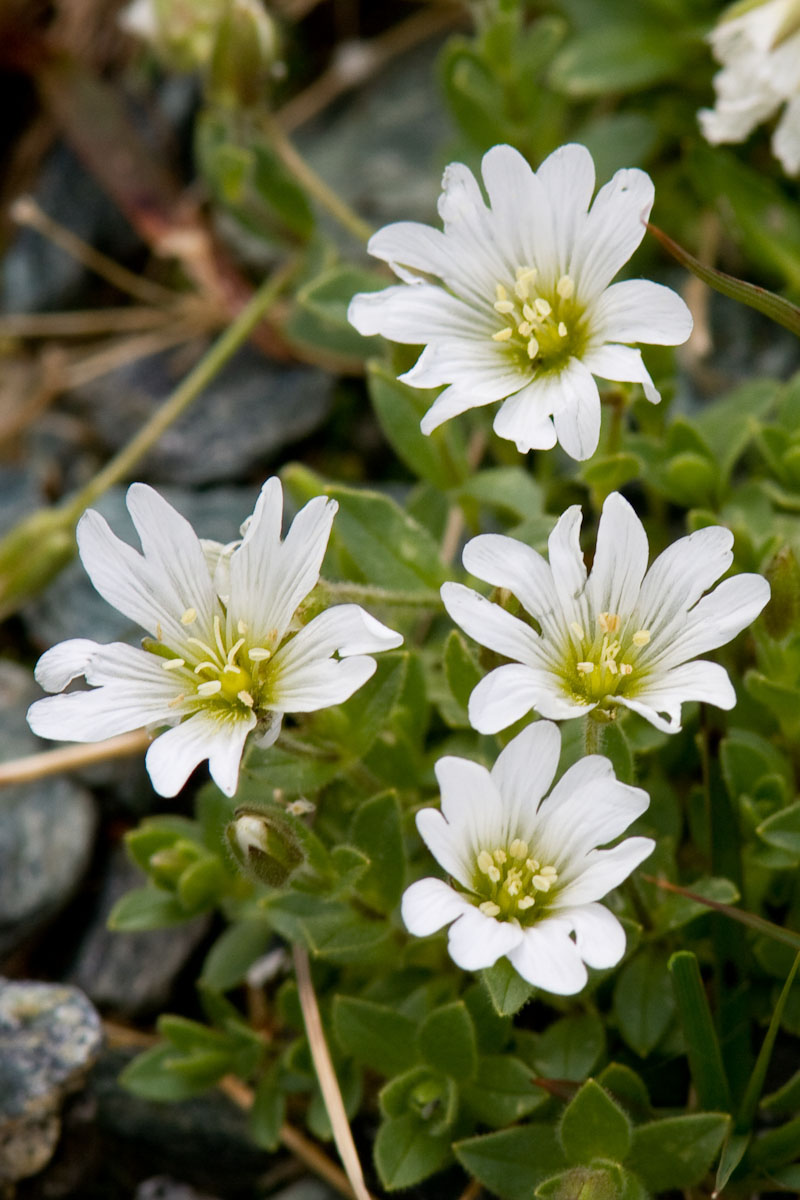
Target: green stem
{"x": 314, "y": 184}
{"x": 592, "y": 736}
{"x": 357, "y": 593}
{"x": 225, "y": 346}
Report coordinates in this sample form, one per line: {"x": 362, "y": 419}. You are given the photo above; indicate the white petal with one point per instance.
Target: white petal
{"x": 118, "y": 663}
{"x": 620, "y": 559}
{"x": 509, "y": 692}
{"x": 669, "y": 724}
{"x": 489, "y": 624}
{"x": 713, "y": 621}
{"x": 427, "y": 251}
{"x": 476, "y": 941}
{"x": 507, "y": 563}
{"x": 623, "y": 364}
{"x": 471, "y": 804}
{"x": 481, "y": 369}
{"x": 428, "y": 905}
{"x": 345, "y": 629}
{"x": 524, "y": 771}
{"x": 519, "y": 206}
{"x": 447, "y": 844}
{"x": 576, "y": 412}
{"x": 704, "y": 681}
{"x": 91, "y": 716}
{"x": 318, "y": 684}
{"x": 415, "y": 315}
{"x": 567, "y": 565}
{"x": 573, "y": 823}
{"x": 524, "y": 418}
{"x": 611, "y": 232}
{"x": 62, "y": 663}
{"x": 270, "y": 578}
{"x": 568, "y": 178}
{"x": 468, "y": 220}
{"x": 786, "y": 138}
{"x": 549, "y": 959}
{"x": 172, "y": 550}
{"x": 598, "y": 934}
{"x": 637, "y": 310}
{"x": 225, "y": 752}
{"x": 679, "y": 576}
{"x": 603, "y": 870}
{"x": 173, "y": 756}
{"x": 452, "y": 402}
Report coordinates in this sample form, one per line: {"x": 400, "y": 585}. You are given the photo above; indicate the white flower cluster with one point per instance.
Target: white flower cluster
{"x": 513, "y": 302}
{"x": 758, "y": 46}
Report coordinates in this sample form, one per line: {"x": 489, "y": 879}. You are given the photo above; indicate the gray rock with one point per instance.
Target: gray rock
{"x": 47, "y": 827}
{"x": 131, "y": 973}
{"x": 161, "y": 1187}
{"x": 250, "y": 411}
{"x": 49, "y": 1037}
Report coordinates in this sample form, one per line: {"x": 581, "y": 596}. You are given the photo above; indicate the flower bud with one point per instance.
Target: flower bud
{"x": 264, "y": 846}
{"x": 243, "y": 55}
{"x": 181, "y": 32}
{"x": 32, "y": 554}
{"x": 782, "y": 614}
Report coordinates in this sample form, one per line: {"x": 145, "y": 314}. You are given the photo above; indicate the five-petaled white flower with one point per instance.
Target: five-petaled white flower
{"x": 758, "y": 46}
{"x": 225, "y": 653}
{"x": 513, "y": 303}
{"x": 526, "y": 873}
{"x": 624, "y": 635}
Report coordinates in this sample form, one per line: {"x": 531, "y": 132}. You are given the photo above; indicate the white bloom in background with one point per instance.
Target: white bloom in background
{"x": 224, "y": 654}
{"x": 513, "y": 302}
{"x": 526, "y": 872}
{"x": 623, "y": 635}
{"x": 758, "y": 45}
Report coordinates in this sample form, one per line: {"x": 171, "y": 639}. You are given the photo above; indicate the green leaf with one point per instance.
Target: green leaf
{"x": 378, "y": 542}
{"x": 447, "y": 1041}
{"x": 730, "y": 424}
{"x": 786, "y": 1099}
{"x": 406, "y": 1152}
{"x": 616, "y": 747}
{"x": 702, "y": 1045}
{"x": 147, "y": 908}
{"x": 399, "y": 408}
{"x": 377, "y": 830}
{"x": 676, "y": 911}
{"x": 755, "y": 1086}
{"x": 627, "y": 1088}
{"x": 607, "y": 473}
{"x": 782, "y": 829}
{"x": 511, "y": 1162}
{"x": 643, "y": 1001}
{"x": 747, "y": 758}
{"x": 507, "y": 990}
{"x": 593, "y": 1126}
{"x": 234, "y": 952}
{"x": 461, "y": 670}
{"x": 733, "y": 1151}
{"x": 677, "y": 1152}
{"x": 268, "y": 1112}
{"x": 569, "y": 1048}
{"x": 325, "y": 299}
{"x": 781, "y": 699}
{"x": 374, "y": 1034}
{"x": 202, "y": 884}
{"x": 368, "y": 711}
{"x": 510, "y": 491}
{"x": 777, "y": 932}
{"x": 151, "y": 1076}
{"x": 614, "y": 58}
{"x": 776, "y": 1148}
{"x": 502, "y": 1091}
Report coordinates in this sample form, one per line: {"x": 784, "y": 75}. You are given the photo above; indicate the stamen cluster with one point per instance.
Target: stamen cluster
{"x": 605, "y": 659}
{"x": 511, "y": 880}
{"x": 539, "y": 330}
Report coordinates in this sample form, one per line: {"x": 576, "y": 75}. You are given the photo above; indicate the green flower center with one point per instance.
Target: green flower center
{"x": 511, "y": 885}
{"x": 604, "y": 661}
{"x": 539, "y": 330}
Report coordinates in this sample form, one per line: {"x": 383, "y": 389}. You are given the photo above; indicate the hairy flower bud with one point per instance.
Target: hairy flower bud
{"x": 264, "y": 846}
{"x": 782, "y": 614}
{"x": 243, "y": 55}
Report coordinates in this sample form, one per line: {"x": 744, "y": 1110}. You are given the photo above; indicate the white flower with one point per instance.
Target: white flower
{"x": 512, "y": 301}
{"x": 526, "y": 872}
{"x": 758, "y": 46}
{"x": 225, "y": 654}
{"x": 624, "y": 635}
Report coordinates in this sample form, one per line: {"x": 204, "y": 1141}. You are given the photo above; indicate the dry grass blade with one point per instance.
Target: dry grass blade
{"x": 329, "y": 1085}
{"x": 70, "y": 758}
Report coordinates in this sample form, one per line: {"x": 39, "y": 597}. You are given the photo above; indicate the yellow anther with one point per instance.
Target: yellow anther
{"x": 210, "y": 688}
{"x": 609, "y": 622}
{"x": 489, "y": 908}
{"x": 533, "y": 348}
{"x": 499, "y": 856}
{"x": 485, "y": 862}
{"x": 585, "y": 668}
{"x": 526, "y": 902}
{"x": 206, "y": 666}
{"x": 562, "y": 329}
{"x": 501, "y": 292}
{"x": 551, "y": 871}
{"x": 542, "y": 306}
{"x": 502, "y": 335}
{"x": 246, "y": 698}
{"x": 532, "y": 864}
{"x": 529, "y": 273}
{"x": 522, "y": 288}
{"x": 259, "y": 654}
{"x": 610, "y": 666}
{"x": 504, "y": 306}
{"x": 518, "y": 849}
{"x": 528, "y": 313}
{"x": 641, "y": 637}
{"x": 513, "y": 887}
{"x": 189, "y": 617}
{"x": 542, "y": 883}
{"x": 494, "y": 874}
{"x": 241, "y": 628}
{"x": 577, "y": 630}
{"x": 173, "y": 664}
{"x": 625, "y": 669}
{"x": 524, "y": 328}
{"x": 565, "y": 287}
